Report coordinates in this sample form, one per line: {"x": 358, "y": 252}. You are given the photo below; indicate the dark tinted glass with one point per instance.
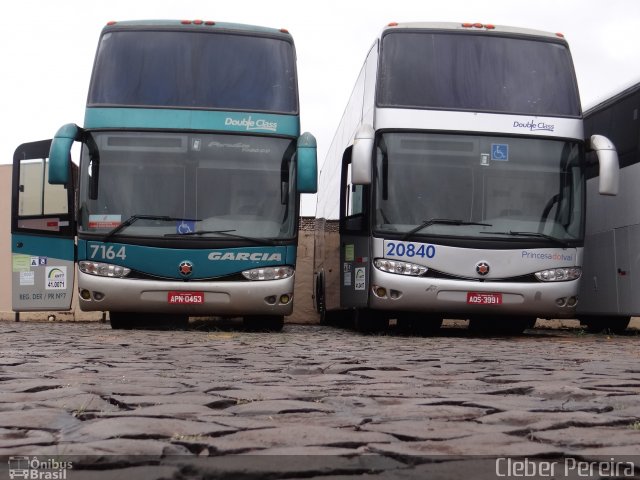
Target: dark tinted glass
{"x": 194, "y": 70}
{"x": 477, "y": 72}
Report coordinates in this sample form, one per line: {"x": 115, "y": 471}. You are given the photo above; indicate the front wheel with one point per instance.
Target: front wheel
{"x": 264, "y": 323}
{"x": 419, "y": 323}
{"x": 147, "y": 321}
{"x": 122, "y": 320}
{"x": 369, "y": 321}
{"x": 502, "y": 325}
{"x": 612, "y": 324}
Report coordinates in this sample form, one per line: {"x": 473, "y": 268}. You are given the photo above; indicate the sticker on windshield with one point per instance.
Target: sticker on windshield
{"x": 500, "y": 152}
{"x": 104, "y": 221}
{"x": 186, "y": 226}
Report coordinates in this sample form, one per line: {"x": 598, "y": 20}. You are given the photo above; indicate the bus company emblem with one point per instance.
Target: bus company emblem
{"x": 247, "y": 256}
{"x": 482, "y": 268}
{"x": 185, "y": 268}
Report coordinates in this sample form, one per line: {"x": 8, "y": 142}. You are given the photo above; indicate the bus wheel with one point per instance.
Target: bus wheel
{"x": 419, "y": 323}
{"x": 505, "y": 325}
{"x": 321, "y": 307}
{"x": 264, "y": 323}
{"x": 121, "y": 320}
{"x": 612, "y": 324}
{"x": 173, "y": 322}
{"x": 369, "y": 321}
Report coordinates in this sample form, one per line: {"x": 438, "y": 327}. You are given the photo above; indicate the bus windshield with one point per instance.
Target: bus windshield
{"x": 202, "y": 186}
{"x": 477, "y": 72}
{"x": 151, "y": 68}
{"x": 479, "y": 186}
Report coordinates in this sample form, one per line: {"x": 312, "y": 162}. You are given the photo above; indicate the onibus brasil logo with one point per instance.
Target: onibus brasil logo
{"x": 36, "y": 469}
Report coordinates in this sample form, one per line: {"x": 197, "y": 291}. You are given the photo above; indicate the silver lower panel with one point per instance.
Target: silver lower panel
{"x": 220, "y": 298}
{"x": 449, "y": 297}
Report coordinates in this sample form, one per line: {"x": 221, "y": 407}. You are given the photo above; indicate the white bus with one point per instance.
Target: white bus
{"x": 454, "y": 186}
{"x": 608, "y": 293}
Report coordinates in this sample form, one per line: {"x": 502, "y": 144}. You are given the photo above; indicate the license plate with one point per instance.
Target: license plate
{"x": 185, "y": 297}
{"x": 481, "y": 298}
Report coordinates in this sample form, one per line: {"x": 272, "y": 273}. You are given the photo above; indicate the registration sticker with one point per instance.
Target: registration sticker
{"x": 185, "y": 298}
{"x": 482, "y": 298}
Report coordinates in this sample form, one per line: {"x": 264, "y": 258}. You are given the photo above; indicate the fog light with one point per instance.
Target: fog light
{"x": 98, "y": 296}
{"x": 271, "y": 300}
{"x": 284, "y": 299}
{"x": 395, "y": 294}
{"x": 380, "y": 292}
{"x": 561, "y": 302}
{"x": 572, "y": 301}
{"x": 85, "y": 294}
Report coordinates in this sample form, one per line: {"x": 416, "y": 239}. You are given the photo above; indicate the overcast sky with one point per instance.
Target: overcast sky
{"x": 48, "y": 47}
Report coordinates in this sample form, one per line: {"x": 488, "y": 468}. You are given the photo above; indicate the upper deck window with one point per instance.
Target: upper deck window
{"x": 483, "y": 73}
{"x": 151, "y": 68}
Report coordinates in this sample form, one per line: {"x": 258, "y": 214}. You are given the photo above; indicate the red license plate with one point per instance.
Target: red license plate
{"x": 480, "y": 298}
{"x": 185, "y": 297}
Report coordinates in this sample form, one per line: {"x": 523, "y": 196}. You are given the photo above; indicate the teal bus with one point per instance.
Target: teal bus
{"x": 185, "y": 200}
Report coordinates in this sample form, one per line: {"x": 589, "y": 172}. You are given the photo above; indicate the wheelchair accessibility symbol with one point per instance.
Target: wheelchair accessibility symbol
{"x": 500, "y": 152}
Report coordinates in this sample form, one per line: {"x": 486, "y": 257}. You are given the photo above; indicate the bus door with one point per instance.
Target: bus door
{"x": 42, "y": 233}
{"x": 355, "y": 255}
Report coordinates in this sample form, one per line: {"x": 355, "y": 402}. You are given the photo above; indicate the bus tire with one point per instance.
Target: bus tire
{"x": 147, "y": 321}
{"x": 503, "y": 325}
{"x": 121, "y": 320}
{"x": 611, "y": 324}
{"x": 369, "y": 321}
{"x": 321, "y": 307}
{"x": 419, "y": 323}
{"x": 263, "y": 323}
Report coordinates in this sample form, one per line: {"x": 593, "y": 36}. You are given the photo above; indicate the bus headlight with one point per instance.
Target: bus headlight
{"x": 103, "y": 269}
{"x": 268, "y": 273}
{"x": 559, "y": 274}
{"x": 400, "y": 268}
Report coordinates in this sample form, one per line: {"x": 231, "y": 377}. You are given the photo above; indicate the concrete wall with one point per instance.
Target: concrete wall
{"x": 303, "y": 306}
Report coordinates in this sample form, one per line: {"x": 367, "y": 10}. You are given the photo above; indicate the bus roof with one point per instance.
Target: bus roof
{"x": 479, "y": 27}
{"x": 613, "y": 98}
{"x": 196, "y": 24}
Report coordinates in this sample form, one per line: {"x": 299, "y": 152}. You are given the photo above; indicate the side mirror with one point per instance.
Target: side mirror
{"x": 362, "y": 155}
{"x": 307, "y": 168}
{"x": 609, "y": 167}
{"x": 59, "y": 153}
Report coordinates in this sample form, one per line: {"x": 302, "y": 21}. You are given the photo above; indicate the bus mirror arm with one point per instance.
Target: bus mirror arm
{"x": 608, "y": 164}
{"x": 362, "y": 155}
{"x": 60, "y": 153}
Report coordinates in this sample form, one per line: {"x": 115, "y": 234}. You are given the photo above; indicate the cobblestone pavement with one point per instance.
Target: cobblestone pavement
{"x": 315, "y": 402}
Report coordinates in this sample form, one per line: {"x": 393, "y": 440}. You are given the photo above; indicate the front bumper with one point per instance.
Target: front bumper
{"x": 221, "y": 298}
{"x": 449, "y": 297}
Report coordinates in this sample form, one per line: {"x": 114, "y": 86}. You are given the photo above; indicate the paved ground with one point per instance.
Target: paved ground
{"x": 317, "y": 402}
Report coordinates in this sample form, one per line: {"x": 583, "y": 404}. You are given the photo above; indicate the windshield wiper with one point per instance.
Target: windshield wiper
{"x": 134, "y": 218}
{"x": 441, "y": 221}
{"x": 555, "y": 240}
{"x": 226, "y": 233}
